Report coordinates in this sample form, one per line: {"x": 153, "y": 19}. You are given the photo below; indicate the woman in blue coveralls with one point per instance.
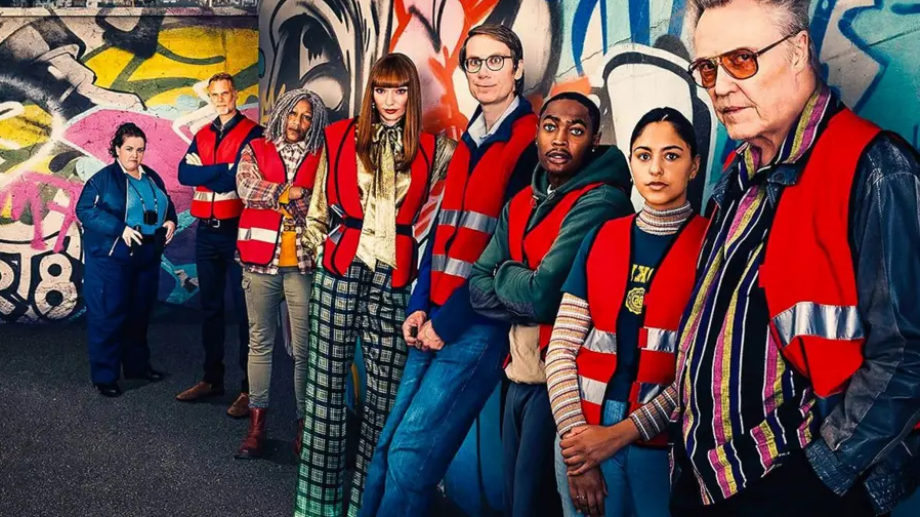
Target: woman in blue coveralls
{"x": 127, "y": 219}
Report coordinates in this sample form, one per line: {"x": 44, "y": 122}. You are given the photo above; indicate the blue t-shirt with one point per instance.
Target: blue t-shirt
{"x": 143, "y": 194}
{"x": 645, "y": 256}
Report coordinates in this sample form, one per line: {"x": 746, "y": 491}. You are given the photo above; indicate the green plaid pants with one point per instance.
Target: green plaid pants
{"x": 362, "y": 304}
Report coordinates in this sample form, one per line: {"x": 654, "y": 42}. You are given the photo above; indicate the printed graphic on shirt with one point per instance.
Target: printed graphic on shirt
{"x": 639, "y": 277}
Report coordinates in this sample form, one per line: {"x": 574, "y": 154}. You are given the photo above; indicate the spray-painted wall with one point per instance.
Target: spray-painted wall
{"x": 630, "y": 54}
{"x": 67, "y": 79}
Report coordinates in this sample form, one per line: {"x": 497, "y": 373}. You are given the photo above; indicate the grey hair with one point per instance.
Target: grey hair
{"x": 794, "y": 19}
{"x": 277, "y": 121}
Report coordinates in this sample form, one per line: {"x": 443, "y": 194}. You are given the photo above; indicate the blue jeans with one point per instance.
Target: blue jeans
{"x": 440, "y": 395}
{"x": 527, "y": 438}
{"x": 637, "y": 478}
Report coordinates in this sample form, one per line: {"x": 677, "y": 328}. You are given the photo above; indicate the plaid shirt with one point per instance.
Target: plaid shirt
{"x": 260, "y": 194}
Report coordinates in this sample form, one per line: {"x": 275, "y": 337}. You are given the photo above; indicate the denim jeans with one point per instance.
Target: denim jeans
{"x": 528, "y": 441}
{"x": 440, "y": 395}
{"x": 263, "y": 301}
{"x": 637, "y": 478}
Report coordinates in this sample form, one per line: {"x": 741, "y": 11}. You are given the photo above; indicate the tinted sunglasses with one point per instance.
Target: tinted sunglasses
{"x": 740, "y": 63}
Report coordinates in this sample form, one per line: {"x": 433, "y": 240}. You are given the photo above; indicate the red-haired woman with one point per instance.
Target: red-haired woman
{"x": 372, "y": 182}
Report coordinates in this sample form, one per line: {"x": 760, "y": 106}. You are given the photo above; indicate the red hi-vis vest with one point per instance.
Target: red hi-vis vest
{"x": 608, "y": 269}
{"x": 471, "y": 206}
{"x": 260, "y": 229}
{"x": 207, "y": 204}
{"x": 345, "y": 202}
{"x": 529, "y": 247}
{"x": 807, "y": 272}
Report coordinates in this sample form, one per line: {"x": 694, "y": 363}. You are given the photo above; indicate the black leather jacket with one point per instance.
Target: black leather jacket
{"x": 867, "y": 435}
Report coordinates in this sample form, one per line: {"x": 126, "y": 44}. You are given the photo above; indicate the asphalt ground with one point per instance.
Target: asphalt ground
{"x": 67, "y": 451}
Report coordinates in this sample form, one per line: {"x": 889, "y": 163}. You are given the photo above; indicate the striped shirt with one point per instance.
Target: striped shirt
{"x": 573, "y": 323}
{"x": 742, "y": 407}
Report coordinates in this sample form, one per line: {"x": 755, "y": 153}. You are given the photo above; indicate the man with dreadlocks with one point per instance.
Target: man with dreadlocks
{"x": 274, "y": 180}
{"x": 210, "y": 167}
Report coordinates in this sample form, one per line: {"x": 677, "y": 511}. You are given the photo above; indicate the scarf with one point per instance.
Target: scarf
{"x": 387, "y": 147}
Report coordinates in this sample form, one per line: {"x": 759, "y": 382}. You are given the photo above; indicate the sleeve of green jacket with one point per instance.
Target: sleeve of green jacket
{"x": 481, "y": 282}
{"x": 533, "y": 296}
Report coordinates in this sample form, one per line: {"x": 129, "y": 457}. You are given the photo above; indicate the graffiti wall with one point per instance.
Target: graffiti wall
{"x": 630, "y": 55}
{"x": 67, "y": 80}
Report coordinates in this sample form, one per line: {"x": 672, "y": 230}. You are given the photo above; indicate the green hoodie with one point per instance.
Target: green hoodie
{"x": 510, "y": 291}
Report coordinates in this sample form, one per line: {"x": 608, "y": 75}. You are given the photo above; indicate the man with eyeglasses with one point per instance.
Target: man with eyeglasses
{"x": 799, "y": 353}
{"x": 456, "y": 362}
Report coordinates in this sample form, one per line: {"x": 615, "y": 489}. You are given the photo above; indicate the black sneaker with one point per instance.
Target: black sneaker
{"x": 111, "y": 390}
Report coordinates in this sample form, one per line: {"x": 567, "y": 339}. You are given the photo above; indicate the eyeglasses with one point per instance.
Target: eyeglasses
{"x": 474, "y": 64}
{"x": 740, "y": 63}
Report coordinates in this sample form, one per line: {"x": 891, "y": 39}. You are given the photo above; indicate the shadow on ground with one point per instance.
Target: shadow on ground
{"x": 68, "y": 451}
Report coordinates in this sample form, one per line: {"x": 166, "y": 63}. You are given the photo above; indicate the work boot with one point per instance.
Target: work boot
{"x": 200, "y": 391}
{"x": 240, "y": 406}
{"x": 251, "y": 448}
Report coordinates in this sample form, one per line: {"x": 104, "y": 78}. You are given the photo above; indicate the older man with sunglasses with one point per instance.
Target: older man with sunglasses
{"x": 799, "y": 363}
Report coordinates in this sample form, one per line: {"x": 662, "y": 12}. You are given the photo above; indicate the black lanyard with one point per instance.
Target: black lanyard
{"x": 156, "y": 201}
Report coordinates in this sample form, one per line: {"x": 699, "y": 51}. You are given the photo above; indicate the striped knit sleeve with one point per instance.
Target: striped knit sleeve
{"x": 652, "y": 418}
{"x": 572, "y": 325}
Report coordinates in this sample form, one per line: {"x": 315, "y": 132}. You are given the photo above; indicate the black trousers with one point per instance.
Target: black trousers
{"x": 528, "y": 439}
{"x": 215, "y": 250}
{"x": 791, "y": 490}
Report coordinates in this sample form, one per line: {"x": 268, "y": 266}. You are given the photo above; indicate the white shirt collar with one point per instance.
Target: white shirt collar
{"x": 140, "y": 168}
{"x": 477, "y": 129}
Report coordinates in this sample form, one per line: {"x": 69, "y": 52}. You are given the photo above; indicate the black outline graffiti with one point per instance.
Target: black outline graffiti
{"x": 701, "y": 115}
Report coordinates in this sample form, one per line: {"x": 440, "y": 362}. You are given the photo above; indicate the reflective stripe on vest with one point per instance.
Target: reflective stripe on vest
{"x": 824, "y": 321}
{"x": 592, "y": 391}
{"x": 607, "y": 270}
{"x": 807, "y": 272}
{"x": 207, "y": 204}
{"x": 472, "y": 220}
{"x": 257, "y": 234}
{"x": 451, "y": 266}
{"x": 208, "y": 196}
{"x": 601, "y": 341}
{"x": 472, "y": 204}
{"x": 660, "y": 340}
{"x": 260, "y": 229}
{"x": 530, "y": 246}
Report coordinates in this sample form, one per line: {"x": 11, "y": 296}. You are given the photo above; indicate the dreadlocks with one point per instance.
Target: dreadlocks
{"x": 278, "y": 119}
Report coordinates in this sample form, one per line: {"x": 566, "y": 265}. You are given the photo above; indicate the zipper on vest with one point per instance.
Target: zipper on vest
{"x": 214, "y": 194}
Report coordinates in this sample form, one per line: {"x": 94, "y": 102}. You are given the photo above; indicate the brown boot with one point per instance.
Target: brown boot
{"x": 298, "y": 440}
{"x": 200, "y": 391}
{"x": 251, "y": 447}
{"x": 240, "y": 406}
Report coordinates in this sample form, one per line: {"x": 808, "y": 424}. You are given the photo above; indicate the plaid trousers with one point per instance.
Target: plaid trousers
{"x": 362, "y": 303}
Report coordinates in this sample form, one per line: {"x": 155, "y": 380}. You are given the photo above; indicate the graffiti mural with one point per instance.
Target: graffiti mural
{"x": 629, "y": 55}
{"x": 329, "y": 46}
{"x": 67, "y": 81}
